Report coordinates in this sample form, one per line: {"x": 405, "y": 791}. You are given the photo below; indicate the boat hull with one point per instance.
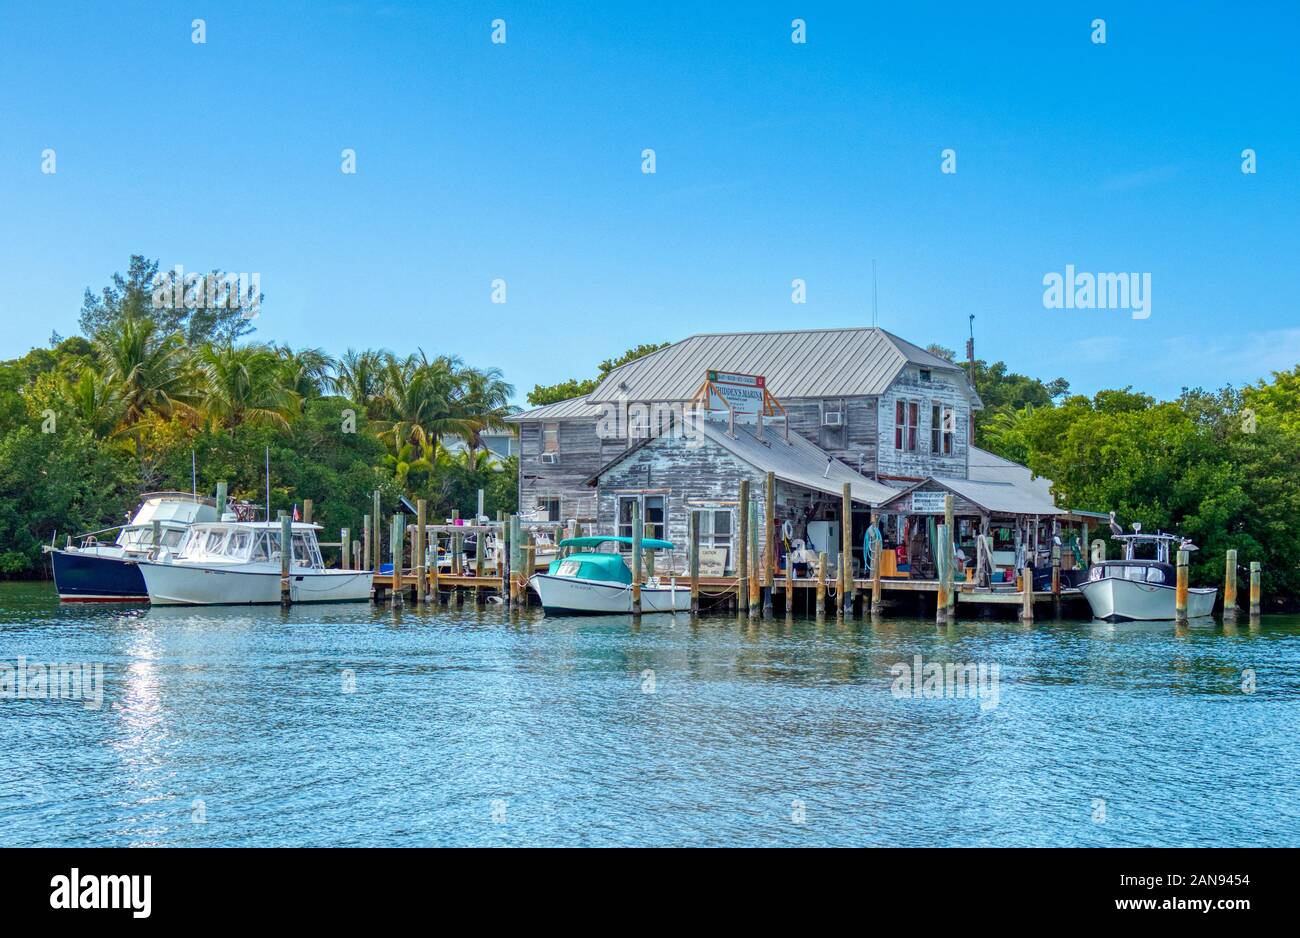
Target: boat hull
{"x": 197, "y": 585}
{"x": 1116, "y": 599}
{"x": 86, "y": 576}
{"x": 576, "y": 596}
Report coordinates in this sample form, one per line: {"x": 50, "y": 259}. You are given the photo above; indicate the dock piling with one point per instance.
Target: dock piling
{"x": 1230, "y": 587}
{"x": 1027, "y": 594}
{"x": 1255, "y": 605}
{"x": 769, "y": 540}
{"x": 755, "y": 574}
{"x": 1180, "y": 589}
{"x": 418, "y": 561}
{"x": 345, "y": 549}
{"x": 742, "y": 550}
{"x": 286, "y": 554}
{"x": 694, "y": 561}
{"x": 944, "y": 558}
{"x": 846, "y": 547}
{"x": 636, "y": 557}
{"x": 821, "y": 583}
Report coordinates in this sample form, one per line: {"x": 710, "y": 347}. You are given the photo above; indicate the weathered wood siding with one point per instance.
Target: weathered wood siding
{"x": 582, "y": 453}
{"x": 943, "y": 388}
{"x": 855, "y": 443}
{"x": 689, "y": 474}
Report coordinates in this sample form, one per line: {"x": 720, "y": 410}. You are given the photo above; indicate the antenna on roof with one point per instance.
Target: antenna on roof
{"x": 970, "y": 351}
{"x": 873, "y": 293}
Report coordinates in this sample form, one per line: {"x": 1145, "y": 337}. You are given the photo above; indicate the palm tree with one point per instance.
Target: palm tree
{"x": 485, "y": 400}
{"x": 245, "y": 384}
{"x": 94, "y": 401}
{"x": 147, "y": 370}
{"x": 307, "y": 372}
{"x": 359, "y": 376}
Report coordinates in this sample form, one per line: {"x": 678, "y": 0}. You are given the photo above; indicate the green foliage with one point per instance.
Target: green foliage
{"x": 129, "y": 404}
{"x": 553, "y": 393}
{"x": 1195, "y": 466}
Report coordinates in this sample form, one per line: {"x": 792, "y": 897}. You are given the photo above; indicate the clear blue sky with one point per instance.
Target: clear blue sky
{"x": 775, "y": 161}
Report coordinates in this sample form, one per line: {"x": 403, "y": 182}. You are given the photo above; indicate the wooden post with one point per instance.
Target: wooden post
{"x": 512, "y": 558}
{"x": 1083, "y": 545}
{"x": 530, "y": 567}
{"x": 742, "y": 550}
{"x": 365, "y": 543}
{"x": 435, "y": 584}
{"x": 821, "y": 583}
{"x": 875, "y": 575}
{"x": 456, "y": 545}
{"x": 1180, "y": 589}
{"x": 397, "y": 544}
{"x": 345, "y": 549}
{"x": 221, "y": 499}
{"x": 755, "y": 574}
{"x": 648, "y": 531}
{"x": 1056, "y": 579}
{"x": 1027, "y": 594}
{"x": 694, "y": 560}
{"x": 377, "y": 538}
{"x": 306, "y": 510}
{"x": 846, "y": 548}
{"x": 944, "y": 558}
{"x": 286, "y": 555}
{"x": 636, "y": 557}
{"x": 421, "y": 552}
{"x": 948, "y": 546}
{"x": 1255, "y": 604}
{"x": 1230, "y": 587}
{"x": 789, "y": 585}
{"x": 356, "y": 555}
{"x": 769, "y": 540}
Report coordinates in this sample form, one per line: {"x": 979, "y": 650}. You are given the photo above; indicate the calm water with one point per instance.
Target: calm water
{"x": 475, "y": 727}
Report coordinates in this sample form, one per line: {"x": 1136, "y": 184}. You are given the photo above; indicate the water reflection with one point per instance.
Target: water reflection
{"x": 370, "y": 725}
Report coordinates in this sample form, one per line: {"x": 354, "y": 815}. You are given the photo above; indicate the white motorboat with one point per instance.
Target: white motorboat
{"x": 1137, "y": 589}
{"x": 238, "y": 563}
{"x": 595, "y": 582}
{"x": 91, "y": 571}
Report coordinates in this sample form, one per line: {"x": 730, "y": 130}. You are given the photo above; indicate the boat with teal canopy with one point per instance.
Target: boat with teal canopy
{"x": 591, "y": 581}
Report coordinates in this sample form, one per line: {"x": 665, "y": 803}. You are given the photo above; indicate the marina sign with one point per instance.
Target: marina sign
{"x": 742, "y": 395}
{"x": 927, "y": 503}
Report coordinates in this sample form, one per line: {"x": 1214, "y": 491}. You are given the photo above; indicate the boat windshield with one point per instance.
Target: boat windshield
{"x": 141, "y": 538}
{"x": 1137, "y": 573}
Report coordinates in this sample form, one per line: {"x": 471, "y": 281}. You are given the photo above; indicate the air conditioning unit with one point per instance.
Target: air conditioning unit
{"x": 833, "y": 418}
{"x": 550, "y": 459}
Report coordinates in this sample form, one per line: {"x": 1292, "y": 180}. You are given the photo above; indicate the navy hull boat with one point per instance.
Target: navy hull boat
{"x": 92, "y": 571}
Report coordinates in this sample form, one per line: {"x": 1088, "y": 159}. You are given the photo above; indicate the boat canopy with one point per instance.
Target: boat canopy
{"x": 596, "y": 540}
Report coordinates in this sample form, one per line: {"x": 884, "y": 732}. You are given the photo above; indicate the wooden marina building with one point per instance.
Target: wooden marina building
{"x": 857, "y": 411}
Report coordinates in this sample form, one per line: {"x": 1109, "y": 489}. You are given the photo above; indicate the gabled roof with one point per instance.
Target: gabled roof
{"x": 1013, "y": 496}
{"x": 795, "y": 461}
{"x": 560, "y": 410}
{"x": 807, "y": 363}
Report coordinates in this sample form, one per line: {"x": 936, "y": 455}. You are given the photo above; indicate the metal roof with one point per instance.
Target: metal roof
{"x": 560, "y": 410}
{"x": 796, "y": 461}
{"x": 809, "y": 363}
{"x": 1017, "y": 498}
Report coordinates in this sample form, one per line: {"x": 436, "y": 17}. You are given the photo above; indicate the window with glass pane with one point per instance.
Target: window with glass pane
{"x": 625, "y": 504}
{"x": 654, "y": 515}
{"x": 913, "y": 420}
{"x": 715, "y": 529}
{"x": 943, "y": 426}
{"x": 551, "y": 506}
{"x": 550, "y": 438}
{"x": 900, "y": 423}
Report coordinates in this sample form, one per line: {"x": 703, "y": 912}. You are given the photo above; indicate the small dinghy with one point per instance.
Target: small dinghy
{"x": 593, "y": 582}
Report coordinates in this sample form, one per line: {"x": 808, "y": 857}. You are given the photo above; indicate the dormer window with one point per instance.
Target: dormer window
{"x": 925, "y": 375}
